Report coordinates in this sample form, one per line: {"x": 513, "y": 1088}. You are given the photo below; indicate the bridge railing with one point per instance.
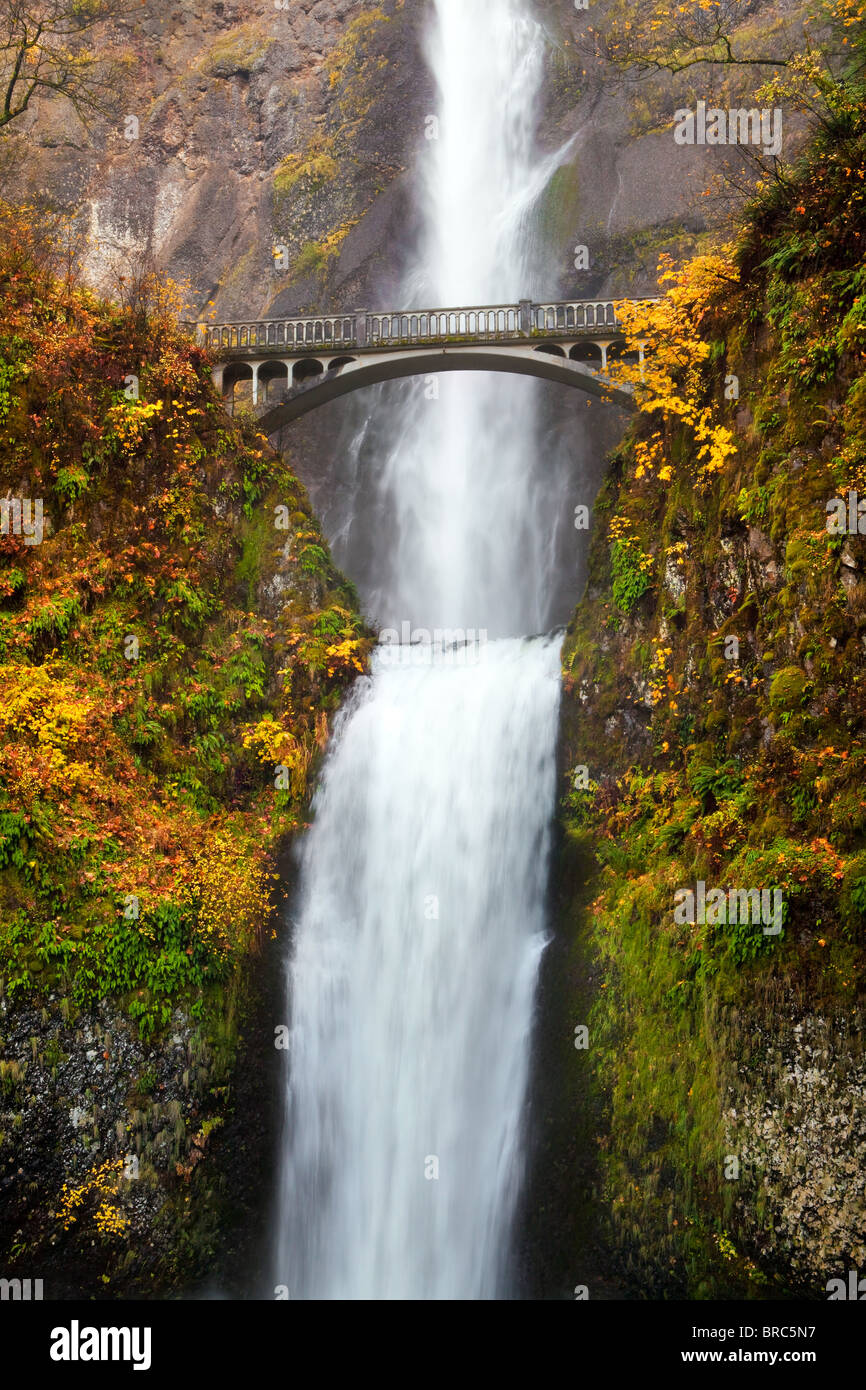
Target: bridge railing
{"x": 490, "y": 323}
{"x": 577, "y": 315}
{"x": 292, "y": 335}
{"x": 486, "y": 323}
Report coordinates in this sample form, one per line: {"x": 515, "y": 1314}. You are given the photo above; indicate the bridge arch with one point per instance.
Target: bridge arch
{"x": 306, "y": 370}
{"x": 586, "y": 352}
{"x": 317, "y": 386}
{"x": 273, "y": 381}
{"x": 619, "y": 352}
{"x": 237, "y": 374}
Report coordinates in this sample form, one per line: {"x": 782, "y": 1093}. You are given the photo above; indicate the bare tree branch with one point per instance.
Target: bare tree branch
{"x": 48, "y": 45}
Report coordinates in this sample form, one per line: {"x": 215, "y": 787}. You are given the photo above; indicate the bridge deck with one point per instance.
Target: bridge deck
{"x": 377, "y": 331}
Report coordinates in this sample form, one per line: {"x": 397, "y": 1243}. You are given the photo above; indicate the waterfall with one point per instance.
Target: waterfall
{"x": 420, "y": 919}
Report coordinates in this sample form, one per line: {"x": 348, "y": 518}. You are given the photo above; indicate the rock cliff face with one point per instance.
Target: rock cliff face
{"x": 249, "y": 124}
{"x": 242, "y": 125}
{"x": 796, "y": 1117}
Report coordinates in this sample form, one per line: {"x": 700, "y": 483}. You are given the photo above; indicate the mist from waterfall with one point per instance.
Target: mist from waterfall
{"x": 420, "y": 919}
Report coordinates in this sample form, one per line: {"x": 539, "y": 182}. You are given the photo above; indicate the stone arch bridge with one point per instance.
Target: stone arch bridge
{"x": 294, "y": 365}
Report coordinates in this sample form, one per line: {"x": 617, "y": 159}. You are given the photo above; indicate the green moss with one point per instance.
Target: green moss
{"x": 310, "y": 174}
{"x": 560, "y": 208}
{"x": 787, "y": 688}
{"x": 355, "y": 65}
{"x": 311, "y": 260}
{"x": 235, "y": 54}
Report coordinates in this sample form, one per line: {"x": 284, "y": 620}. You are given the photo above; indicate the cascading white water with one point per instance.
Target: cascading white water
{"x": 421, "y": 905}
{"x": 413, "y": 976}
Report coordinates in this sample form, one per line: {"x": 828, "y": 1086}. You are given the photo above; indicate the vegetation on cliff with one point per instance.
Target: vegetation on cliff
{"x": 716, "y": 694}
{"x": 173, "y": 639}
{"x": 148, "y": 704}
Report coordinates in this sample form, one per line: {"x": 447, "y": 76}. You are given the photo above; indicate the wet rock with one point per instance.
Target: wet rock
{"x": 760, "y": 545}
{"x": 798, "y": 1122}
{"x": 674, "y": 580}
